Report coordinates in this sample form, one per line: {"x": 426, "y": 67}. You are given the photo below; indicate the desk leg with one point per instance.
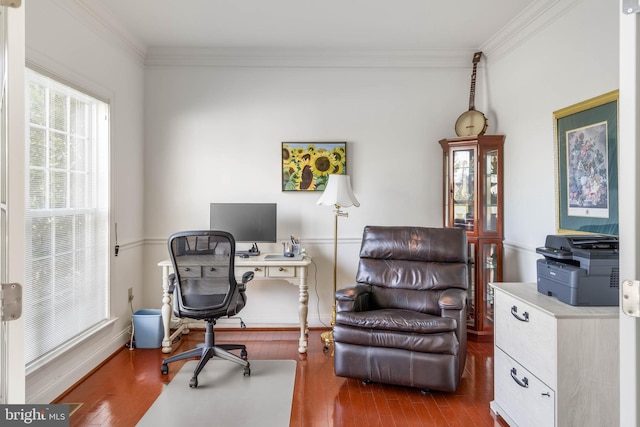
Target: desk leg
{"x": 303, "y": 310}
{"x": 166, "y": 310}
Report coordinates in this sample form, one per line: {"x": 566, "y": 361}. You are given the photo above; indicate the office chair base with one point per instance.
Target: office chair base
{"x": 229, "y": 347}
{"x": 205, "y": 352}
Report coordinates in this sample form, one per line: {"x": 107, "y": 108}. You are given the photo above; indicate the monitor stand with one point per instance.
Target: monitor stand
{"x": 254, "y": 251}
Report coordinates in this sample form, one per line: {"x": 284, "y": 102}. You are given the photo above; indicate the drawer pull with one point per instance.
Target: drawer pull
{"x": 547, "y": 394}
{"x": 281, "y": 269}
{"x": 522, "y": 383}
{"x": 212, "y": 269}
{"x": 187, "y": 269}
{"x": 523, "y": 318}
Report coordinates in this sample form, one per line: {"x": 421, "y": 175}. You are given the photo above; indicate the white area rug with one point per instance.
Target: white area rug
{"x": 225, "y": 397}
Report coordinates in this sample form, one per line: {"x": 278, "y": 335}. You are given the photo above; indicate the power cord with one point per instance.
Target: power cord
{"x": 131, "y": 344}
{"x": 315, "y": 278}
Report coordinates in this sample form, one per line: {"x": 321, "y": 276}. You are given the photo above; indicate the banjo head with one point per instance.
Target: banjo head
{"x": 471, "y": 123}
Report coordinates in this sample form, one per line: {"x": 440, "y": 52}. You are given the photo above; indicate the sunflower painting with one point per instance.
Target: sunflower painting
{"x": 306, "y": 166}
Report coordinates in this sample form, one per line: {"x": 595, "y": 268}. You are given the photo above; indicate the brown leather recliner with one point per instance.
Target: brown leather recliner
{"x": 404, "y": 321}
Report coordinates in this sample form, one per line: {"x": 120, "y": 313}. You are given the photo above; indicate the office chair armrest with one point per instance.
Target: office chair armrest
{"x": 172, "y": 282}
{"x": 246, "y": 278}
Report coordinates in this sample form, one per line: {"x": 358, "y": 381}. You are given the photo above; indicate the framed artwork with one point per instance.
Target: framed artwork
{"x": 306, "y": 166}
{"x": 586, "y": 151}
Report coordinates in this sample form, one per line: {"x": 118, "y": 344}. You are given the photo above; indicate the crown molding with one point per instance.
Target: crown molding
{"x": 317, "y": 58}
{"x": 531, "y": 20}
{"x": 98, "y": 18}
{"x": 527, "y": 23}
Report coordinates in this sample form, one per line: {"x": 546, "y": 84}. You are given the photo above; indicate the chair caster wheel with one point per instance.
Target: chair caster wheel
{"x": 247, "y": 371}
{"x": 366, "y": 382}
{"x": 425, "y": 391}
{"x": 164, "y": 369}
{"x": 243, "y": 354}
{"x": 193, "y": 382}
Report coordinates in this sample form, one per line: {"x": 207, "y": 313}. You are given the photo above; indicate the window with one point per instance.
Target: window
{"x": 67, "y": 257}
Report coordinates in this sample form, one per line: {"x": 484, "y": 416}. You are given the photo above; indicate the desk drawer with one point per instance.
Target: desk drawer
{"x": 281, "y": 271}
{"x": 528, "y": 335}
{"x": 213, "y": 271}
{"x": 524, "y": 398}
{"x": 190, "y": 272}
{"x": 258, "y": 272}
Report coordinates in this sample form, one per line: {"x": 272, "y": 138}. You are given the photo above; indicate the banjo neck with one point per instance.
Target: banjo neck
{"x": 472, "y": 122}
{"x": 472, "y": 92}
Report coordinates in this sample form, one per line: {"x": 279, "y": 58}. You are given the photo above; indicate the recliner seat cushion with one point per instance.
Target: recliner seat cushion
{"x": 402, "y": 329}
{"x": 439, "y": 343}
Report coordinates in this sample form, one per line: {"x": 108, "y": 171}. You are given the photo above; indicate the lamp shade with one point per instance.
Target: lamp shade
{"x": 338, "y": 192}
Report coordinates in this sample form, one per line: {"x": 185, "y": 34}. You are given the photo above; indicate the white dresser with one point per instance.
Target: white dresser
{"x": 554, "y": 364}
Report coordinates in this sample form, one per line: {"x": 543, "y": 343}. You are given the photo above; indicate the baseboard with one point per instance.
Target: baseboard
{"x": 47, "y": 385}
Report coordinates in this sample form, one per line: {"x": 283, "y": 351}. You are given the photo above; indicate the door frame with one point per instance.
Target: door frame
{"x": 13, "y": 379}
{"x": 629, "y": 168}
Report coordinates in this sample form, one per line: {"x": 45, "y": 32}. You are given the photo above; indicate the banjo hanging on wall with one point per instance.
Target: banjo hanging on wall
{"x": 472, "y": 122}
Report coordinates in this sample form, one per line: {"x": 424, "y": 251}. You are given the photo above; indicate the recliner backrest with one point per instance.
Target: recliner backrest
{"x": 409, "y": 267}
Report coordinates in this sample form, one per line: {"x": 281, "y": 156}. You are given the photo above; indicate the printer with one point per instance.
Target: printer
{"x": 580, "y": 269}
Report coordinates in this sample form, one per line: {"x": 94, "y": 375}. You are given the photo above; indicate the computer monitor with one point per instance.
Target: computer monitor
{"x": 247, "y": 222}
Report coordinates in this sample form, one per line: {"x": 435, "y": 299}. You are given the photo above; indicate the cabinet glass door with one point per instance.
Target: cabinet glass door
{"x": 490, "y": 183}
{"x": 491, "y": 261}
{"x": 463, "y": 188}
{"x": 445, "y": 190}
{"x": 471, "y": 290}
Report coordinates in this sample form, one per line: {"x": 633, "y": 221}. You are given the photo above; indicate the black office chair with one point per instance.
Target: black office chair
{"x": 204, "y": 287}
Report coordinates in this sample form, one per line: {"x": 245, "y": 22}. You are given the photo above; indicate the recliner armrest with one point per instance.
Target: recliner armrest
{"x": 353, "y": 298}
{"x": 453, "y": 299}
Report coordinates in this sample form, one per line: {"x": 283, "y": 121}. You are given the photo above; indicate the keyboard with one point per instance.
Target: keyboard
{"x": 278, "y": 257}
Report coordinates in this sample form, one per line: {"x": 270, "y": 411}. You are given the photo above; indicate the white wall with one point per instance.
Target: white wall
{"x": 65, "y": 43}
{"x": 213, "y": 134}
{"x": 574, "y": 58}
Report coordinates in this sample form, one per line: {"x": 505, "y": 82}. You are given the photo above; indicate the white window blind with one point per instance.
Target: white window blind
{"x": 67, "y": 258}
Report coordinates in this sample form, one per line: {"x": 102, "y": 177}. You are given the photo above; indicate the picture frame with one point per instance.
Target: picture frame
{"x": 306, "y": 166}
{"x": 586, "y": 166}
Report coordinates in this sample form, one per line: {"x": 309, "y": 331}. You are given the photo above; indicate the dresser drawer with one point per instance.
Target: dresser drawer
{"x": 281, "y": 271}
{"x": 528, "y": 335}
{"x": 521, "y": 395}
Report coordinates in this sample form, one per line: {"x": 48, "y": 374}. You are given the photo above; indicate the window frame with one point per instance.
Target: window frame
{"x": 99, "y": 209}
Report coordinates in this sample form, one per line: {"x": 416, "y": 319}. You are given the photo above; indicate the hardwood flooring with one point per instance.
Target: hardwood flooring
{"x": 120, "y": 391}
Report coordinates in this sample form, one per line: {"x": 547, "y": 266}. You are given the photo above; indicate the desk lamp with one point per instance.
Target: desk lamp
{"x": 338, "y": 193}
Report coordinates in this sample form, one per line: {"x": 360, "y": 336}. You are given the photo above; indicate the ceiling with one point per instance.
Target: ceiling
{"x": 306, "y": 24}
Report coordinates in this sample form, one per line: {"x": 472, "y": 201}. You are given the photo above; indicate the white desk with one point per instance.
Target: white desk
{"x": 294, "y": 272}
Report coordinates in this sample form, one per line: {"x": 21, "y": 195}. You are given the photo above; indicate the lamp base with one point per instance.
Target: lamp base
{"x": 327, "y": 339}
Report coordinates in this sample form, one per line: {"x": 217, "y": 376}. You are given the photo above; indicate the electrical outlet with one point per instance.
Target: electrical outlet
{"x": 130, "y": 294}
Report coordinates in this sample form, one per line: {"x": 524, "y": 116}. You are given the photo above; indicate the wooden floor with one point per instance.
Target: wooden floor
{"x": 121, "y": 390}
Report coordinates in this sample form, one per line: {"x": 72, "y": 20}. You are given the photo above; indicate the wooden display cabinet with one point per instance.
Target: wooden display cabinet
{"x": 473, "y": 200}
